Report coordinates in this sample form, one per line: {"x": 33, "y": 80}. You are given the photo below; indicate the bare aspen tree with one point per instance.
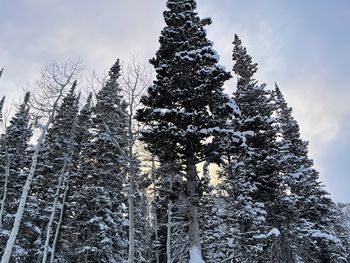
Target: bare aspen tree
{"x": 55, "y": 80}
{"x": 135, "y": 78}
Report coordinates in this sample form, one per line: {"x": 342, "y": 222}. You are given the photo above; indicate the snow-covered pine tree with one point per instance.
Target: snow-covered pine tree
{"x": 14, "y": 162}
{"x": 312, "y": 221}
{"x": 42, "y": 209}
{"x": 55, "y": 79}
{"x": 249, "y": 181}
{"x": 100, "y": 221}
{"x": 185, "y": 106}
{"x": 71, "y": 240}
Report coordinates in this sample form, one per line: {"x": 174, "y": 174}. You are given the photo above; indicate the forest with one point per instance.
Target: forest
{"x": 161, "y": 165}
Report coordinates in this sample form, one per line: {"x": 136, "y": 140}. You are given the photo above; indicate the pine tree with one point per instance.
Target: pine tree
{"x": 249, "y": 181}
{"x": 14, "y": 162}
{"x": 313, "y": 218}
{"x": 185, "y": 105}
{"x": 42, "y": 211}
{"x": 54, "y": 80}
{"x": 99, "y": 224}
{"x": 70, "y": 239}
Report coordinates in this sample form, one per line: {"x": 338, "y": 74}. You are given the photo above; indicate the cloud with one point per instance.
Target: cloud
{"x": 319, "y": 109}
{"x": 35, "y": 33}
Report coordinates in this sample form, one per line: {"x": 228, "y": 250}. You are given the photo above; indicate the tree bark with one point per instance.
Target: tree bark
{"x": 170, "y": 204}
{"x": 193, "y": 216}
{"x": 131, "y": 191}
{"x": 60, "y": 220}
{"x": 155, "y": 218}
{"x": 3, "y": 201}
{"x": 53, "y": 212}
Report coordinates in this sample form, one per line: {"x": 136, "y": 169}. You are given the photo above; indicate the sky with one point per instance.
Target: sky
{"x": 304, "y": 46}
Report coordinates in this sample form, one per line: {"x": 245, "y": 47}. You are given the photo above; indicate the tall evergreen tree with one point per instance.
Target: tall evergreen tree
{"x": 14, "y": 162}
{"x": 71, "y": 240}
{"x": 185, "y": 105}
{"x": 310, "y": 227}
{"x": 53, "y": 83}
{"x": 100, "y": 221}
{"x": 249, "y": 180}
{"x": 42, "y": 211}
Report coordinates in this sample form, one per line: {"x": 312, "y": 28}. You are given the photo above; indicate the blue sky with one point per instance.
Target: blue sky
{"x": 302, "y": 45}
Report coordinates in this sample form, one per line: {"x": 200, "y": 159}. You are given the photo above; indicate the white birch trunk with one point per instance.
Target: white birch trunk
{"x": 18, "y": 218}
{"x": 131, "y": 257}
{"x": 53, "y": 212}
{"x": 58, "y": 227}
{"x": 3, "y": 201}
{"x": 131, "y": 208}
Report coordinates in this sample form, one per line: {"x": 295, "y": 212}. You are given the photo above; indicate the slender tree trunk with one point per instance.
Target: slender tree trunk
{"x": 18, "y": 218}
{"x": 131, "y": 194}
{"x": 168, "y": 240}
{"x": 155, "y": 218}
{"x": 53, "y": 212}
{"x": 193, "y": 216}
{"x": 60, "y": 220}
{"x": 286, "y": 250}
{"x": 3, "y": 201}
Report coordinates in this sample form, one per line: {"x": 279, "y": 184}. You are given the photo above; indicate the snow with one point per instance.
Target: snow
{"x": 191, "y": 55}
{"x": 164, "y": 111}
{"x": 195, "y": 255}
{"x": 232, "y": 104}
{"x": 319, "y": 234}
{"x": 273, "y": 232}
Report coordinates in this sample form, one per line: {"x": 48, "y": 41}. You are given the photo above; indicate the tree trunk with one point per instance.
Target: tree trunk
{"x": 60, "y": 220}
{"x": 193, "y": 216}
{"x": 168, "y": 239}
{"x": 131, "y": 195}
{"x": 286, "y": 250}
{"x": 3, "y": 201}
{"x": 18, "y": 218}
{"x": 155, "y": 218}
{"x": 53, "y": 212}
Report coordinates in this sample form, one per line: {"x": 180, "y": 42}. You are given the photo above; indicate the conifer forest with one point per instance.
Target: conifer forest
{"x": 162, "y": 165}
